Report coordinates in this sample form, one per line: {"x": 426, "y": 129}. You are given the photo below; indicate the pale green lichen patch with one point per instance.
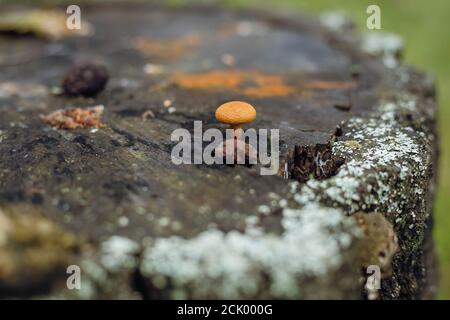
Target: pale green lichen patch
{"x": 216, "y": 264}
{"x": 116, "y": 259}
{"x": 383, "y": 173}
{"x": 387, "y": 45}
{"x": 336, "y": 21}
{"x": 118, "y": 253}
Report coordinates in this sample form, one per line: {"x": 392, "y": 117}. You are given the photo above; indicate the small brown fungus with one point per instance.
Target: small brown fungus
{"x": 85, "y": 79}
{"x": 236, "y": 114}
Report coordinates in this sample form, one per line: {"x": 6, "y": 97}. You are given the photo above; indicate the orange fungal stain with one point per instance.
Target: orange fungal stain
{"x": 250, "y": 83}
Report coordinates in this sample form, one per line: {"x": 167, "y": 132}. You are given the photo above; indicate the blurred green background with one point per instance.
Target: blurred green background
{"x": 425, "y": 28}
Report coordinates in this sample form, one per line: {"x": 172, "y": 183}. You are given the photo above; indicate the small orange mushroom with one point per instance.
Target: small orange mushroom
{"x": 236, "y": 114}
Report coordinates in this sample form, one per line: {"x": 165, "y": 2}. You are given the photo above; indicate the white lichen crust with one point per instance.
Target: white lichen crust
{"x": 386, "y": 163}
{"x": 224, "y": 265}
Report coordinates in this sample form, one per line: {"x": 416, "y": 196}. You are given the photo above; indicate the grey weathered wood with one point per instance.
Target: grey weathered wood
{"x": 120, "y": 181}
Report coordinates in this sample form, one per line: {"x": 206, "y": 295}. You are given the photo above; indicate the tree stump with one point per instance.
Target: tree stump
{"x": 354, "y": 189}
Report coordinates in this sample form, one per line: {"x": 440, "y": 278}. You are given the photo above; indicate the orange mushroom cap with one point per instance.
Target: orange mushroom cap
{"x": 235, "y": 113}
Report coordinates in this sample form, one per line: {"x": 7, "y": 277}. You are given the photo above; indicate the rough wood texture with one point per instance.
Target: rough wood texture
{"x": 357, "y": 132}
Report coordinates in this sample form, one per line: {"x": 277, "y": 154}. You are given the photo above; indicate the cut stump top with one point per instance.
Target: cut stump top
{"x": 117, "y": 187}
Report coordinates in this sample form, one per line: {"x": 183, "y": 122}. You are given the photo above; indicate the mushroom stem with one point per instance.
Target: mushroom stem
{"x": 237, "y": 131}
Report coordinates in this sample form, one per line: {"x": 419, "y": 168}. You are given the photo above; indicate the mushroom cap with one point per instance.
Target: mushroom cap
{"x": 235, "y": 113}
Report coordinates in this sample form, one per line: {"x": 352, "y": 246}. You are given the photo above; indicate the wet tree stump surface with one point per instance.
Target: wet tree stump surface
{"x": 355, "y": 136}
